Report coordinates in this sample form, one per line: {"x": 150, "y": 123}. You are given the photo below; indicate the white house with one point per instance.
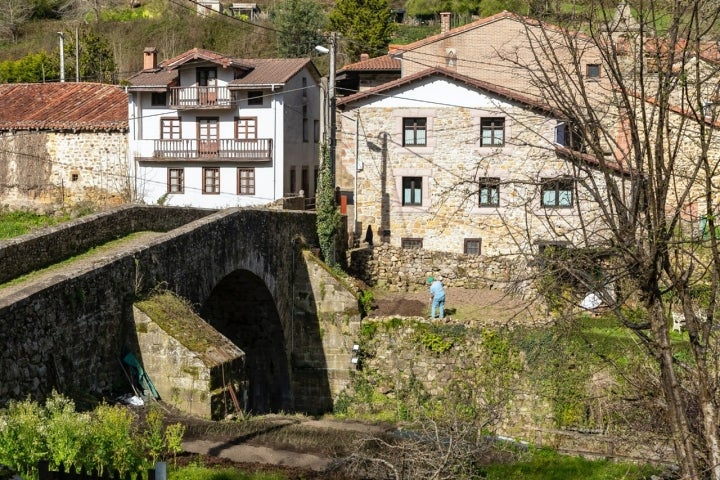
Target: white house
{"x": 207, "y": 130}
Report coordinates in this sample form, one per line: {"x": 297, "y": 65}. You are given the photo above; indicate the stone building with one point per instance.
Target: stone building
{"x": 61, "y": 144}
{"x": 481, "y": 170}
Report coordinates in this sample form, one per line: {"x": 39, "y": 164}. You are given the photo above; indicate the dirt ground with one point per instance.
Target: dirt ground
{"x": 462, "y": 304}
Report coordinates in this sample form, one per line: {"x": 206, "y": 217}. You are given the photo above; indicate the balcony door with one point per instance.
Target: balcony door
{"x": 208, "y": 142}
{"x": 207, "y": 85}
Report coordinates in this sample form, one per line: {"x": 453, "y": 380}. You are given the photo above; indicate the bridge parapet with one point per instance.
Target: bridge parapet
{"x": 24, "y": 254}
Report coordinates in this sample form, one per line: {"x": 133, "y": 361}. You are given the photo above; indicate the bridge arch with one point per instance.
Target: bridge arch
{"x": 242, "y": 308}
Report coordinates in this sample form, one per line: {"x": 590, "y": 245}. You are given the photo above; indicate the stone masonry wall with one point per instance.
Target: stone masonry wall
{"x": 323, "y": 296}
{"x": 26, "y": 253}
{"x": 399, "y": 269}
{"x": 185, "y": 377}
{"x": 45, "y": 170}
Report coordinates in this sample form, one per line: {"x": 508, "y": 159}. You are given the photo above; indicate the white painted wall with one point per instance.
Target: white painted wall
{"x": 279, "y": 118}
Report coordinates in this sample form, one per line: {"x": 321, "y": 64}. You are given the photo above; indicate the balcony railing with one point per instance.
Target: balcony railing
{"x": 259, "y": 150}
{"x": 200, "y": 97}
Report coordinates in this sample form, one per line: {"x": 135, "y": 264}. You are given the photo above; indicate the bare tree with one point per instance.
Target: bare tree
{"x": 638, "y": 85}
{"x": 13, "y": 15}
{"x": 443, "y": 444}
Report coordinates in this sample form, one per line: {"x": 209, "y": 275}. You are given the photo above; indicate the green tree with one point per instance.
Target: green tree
{"x": 366, "y": 25}
{"x": 34, "y": 67}
{"x": 328, "y": 217}
{"x": 300, "y": 23}
{"x": 97, "y": 61}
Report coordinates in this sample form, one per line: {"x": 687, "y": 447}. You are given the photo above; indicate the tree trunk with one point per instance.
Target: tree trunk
{"x": 682, "y": 438}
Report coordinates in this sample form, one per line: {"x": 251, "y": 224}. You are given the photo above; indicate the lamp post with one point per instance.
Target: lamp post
{"x": 61, "y": 37}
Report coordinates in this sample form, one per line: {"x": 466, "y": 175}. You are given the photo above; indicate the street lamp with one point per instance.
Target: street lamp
{"x": 61, "y": 37}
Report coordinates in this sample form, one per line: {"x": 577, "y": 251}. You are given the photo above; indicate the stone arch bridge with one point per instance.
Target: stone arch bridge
{"x": 248, "y": 272}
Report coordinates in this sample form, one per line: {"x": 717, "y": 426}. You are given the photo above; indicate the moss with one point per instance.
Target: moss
{"x": 177, "y": 318}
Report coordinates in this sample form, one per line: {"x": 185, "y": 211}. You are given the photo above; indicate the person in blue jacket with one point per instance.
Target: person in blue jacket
{"x": 437, "y": 294}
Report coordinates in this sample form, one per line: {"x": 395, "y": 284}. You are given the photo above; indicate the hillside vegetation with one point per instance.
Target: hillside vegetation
{"x": 113, "y": 35}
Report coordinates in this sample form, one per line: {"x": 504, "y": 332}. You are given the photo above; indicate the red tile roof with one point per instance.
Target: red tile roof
{"x": 267, "y": 71}
{"x": 385, "y": 62}
{"x": 261, "y": 71}
{"x": 201, "y": 54}
{"x": 63, "y": 106}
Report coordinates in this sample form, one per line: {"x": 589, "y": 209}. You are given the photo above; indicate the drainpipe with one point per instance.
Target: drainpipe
{"x": 356, "y": 234}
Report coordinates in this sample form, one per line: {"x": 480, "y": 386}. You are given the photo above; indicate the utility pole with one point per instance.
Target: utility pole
{"x": 331, "y": 104}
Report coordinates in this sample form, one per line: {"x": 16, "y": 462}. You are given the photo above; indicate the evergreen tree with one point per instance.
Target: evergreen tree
{"x": 366, "y": 25}
{"x": 299, "y": 23}
{"x": 328, "y": 217}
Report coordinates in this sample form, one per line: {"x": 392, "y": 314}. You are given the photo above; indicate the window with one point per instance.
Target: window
{"x": 246, "y": 181}
{"x": 568, "y": 136}
{"x": 292, "y": 180}
{"x": 415, "y": 131}
{"x": 211, "y": 180}
{"x": 316, "y": 130}
{"x": 255, "y": 97}
{"x": 176, "y": 180}
{"x": 74, "y": 177}
{"x": 592, "y": 70}
{"x": 411, "y": 243}
{"x": 246, "y": 128}
{"x": 472, "y": 246}
{"x": 158, "y": 99}
{"x": 557, "y": 193}
{"x": 206, "y": 76}
{"x": 305, "y": 129}
{"x": 169, "y": 128}
{"x": 492, "y": 132}
{"x": 412, "y": 191}
{"x": 489, "y": 189}
{"x": 207, "y": 135}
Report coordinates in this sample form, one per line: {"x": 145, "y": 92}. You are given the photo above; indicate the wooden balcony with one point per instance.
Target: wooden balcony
{"x": 200, "y": 98}
{"x": 228, "y": 150}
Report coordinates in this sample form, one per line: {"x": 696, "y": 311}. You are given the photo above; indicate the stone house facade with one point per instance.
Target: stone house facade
{"x": 62, "y": 144}
{"x": 482, "y": 171}
{"x": 208, "y": 130}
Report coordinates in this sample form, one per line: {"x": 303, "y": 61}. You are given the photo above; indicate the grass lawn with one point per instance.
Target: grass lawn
{"x": 14, "y": 224}
{"x": 547, "y": 464}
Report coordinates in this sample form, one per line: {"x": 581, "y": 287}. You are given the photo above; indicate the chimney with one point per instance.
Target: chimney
{"x": 445, "y": 21}
{"x": 364, "y": 56}
{"x": 150, "y": 58}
